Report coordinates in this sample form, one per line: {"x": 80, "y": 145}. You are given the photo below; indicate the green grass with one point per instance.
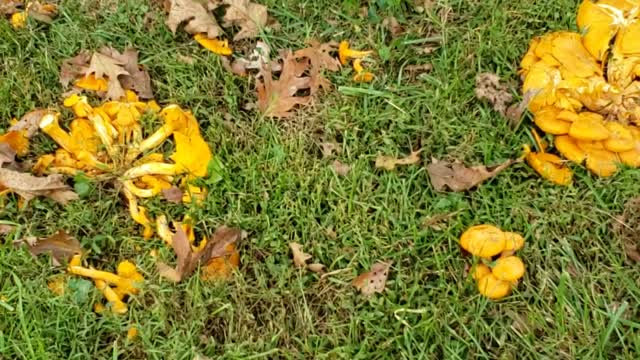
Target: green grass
{"x": 579, "y": 298}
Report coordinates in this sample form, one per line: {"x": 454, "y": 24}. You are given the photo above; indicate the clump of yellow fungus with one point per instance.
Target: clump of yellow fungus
{"x": 109, "y": 142}
{"x": 487, "y": 241}
{"x": 586, "y": 89}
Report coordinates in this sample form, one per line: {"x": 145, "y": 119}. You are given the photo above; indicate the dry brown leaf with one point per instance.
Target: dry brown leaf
{"x": 249, "y": 16}
{"x": 300, "y": 258}
{"x": 329, "y": 148}
{"x": 373, "y": 281}
{"x": 515, "y": 111}
{"x": 259, "y": 57}
{"x": 457, "y": 177}
{"x": 316, "y": 268}
{"x": 340, "y": 168}
{"x": 74, "y": 68}
{"x": 393, "y": 25}
{"x": 29, "y": 186}
{"x": 5, "y": 229}
{"x": 42, "y": 12}
{"x": 390, "y": 163}
{"x": 217, "y": 246}
{"x": 320, "y": 59}
{"x": 173, "y": 195}
{"x": 30, "y": 121}
{"x": 137, "y": 79}
{"x": 7, "y": 154}
{"x": 276, "y": 98}
{"x": 196, "y": 17}
{"x": 61, "y": 245}
{"x": 102, "y": 65}
{"x": 9, "y": 7}
{"x": 415, "y": 70}
{"x": 489, "y": 87}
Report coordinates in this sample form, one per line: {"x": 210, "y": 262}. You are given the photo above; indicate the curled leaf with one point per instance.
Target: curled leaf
{"x": 458, "y": 177}
{"x": 373, "y": 281}
{"x": 61, "y": 245}
{"x": 390, "y": 163}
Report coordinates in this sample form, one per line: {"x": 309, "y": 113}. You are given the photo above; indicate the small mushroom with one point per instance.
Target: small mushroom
{"x": 90, "y": 82}
{"x": 481, "y": 270}
{"x": 568, "y": 147}
{"x": 220, "y": 47}
{"x": 117, "y": 305}
{"x": 483, "y": 240}
{"x": 620, "y": 139}
{"x": 547, "y": 120}
{"x": 513, "y": 243}
{"x": 345, "y": 53}
{"x": 589, "y": 127}
{"x": 493, "y": 288}
{"x": 361, "y": 75}
{"x": 509, "y": 268}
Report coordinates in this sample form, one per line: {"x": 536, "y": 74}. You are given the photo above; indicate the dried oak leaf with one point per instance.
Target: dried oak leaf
{"x": 276, "y": 98}
{"x": 104, "y": 64}
{"x": 320, "y": 58}
{"x": 489, "y": 87}
{"x": 187, "y": 260}
{"x": 29, "y": 186}
{"x": 42, "y": 12}
{"x": 393, "y": 25}
{"x": 340, "y": 168}
{"x": 173, "y": 194}
{"x": 7, "y": 154}
{"x": 196, "y": 17}
{"x": 457, "y": 177}
{"x": 373, "y": 281}
{"x": 390, "y": 163}
{"x": 300, "y": 258}
{"x": 249, "y": 16}
{"x": 137, "y": 79}
{"x": 9, "y": 7}
{"x": 29, "y": 122}
{"x": 61, "y": 245}
{"x": 74, "y": 68}
{"x": 259, "y": 57}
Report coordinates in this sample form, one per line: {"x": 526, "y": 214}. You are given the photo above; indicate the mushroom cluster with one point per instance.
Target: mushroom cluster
{"x": 585, "y": 90}
{"x": 345, "y": 53}
{"x": 109, "y": 142}
{"x": 116, "y": 287}
{"x": 487, "y": 242}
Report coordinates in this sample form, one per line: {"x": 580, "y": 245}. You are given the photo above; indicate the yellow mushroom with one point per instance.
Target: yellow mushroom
{"x": 602, "y": 162}
{"x": 493, "y": 288}
{"x": 361, "y": 75}
{"x": 79, "y": 105}
{"x": 547, "y": 120}
{"x": 513, "y": 243}
{"x": 589, "y": 127}
{"x": 90, "y": 82}
{"x": 174, "y": 119}
{"x": 345, "y": 53}
{"x": 483, "y": 240}
{"x": 481, "y": 270}
{"x": 568, "y": 147}
{"x": 620, "y": 138}
{"x": 19, "y": 20}
{"x": 162, "y": 227}
{"x": 117, "y": 305}
{"x": 508, "y": 268}
{"x": 220, "y": 47}
{"x": 138, "y": 213}
{"x": 549, "y": 166}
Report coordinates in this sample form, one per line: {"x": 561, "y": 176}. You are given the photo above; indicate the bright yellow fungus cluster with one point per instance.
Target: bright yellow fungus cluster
{"x": 345, "y": 53}
{"x": 585, "y": 90}
{"x": 487, "y": 241}
{"x": 109, "y": 141}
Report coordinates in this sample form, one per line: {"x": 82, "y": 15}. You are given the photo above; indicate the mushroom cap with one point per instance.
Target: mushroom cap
{"x": 493, "y": 288}
{"x": 620, "y": 139}
{"x": 568, "y": 147}
{"x": 483, "y": 240}
{"x": 550, "y": 167}
{"x": 126, "y": 269}
{"x": 514, "y": 241}
{"x": 508, "y": 268}
{"x": 481, "y": 270}
{"x": 547, "y": 120}
{"x": 343, "y": 48}
{"x": 596, "y": 25}
{"x": 589, "y": 126}
{"x": 602, "y": 162}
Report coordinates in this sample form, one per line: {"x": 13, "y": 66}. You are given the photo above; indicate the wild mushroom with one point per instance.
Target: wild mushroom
{"x": 345, "y": 53}
{"x": 361, "y": 75}
{"x": 589, "y": 127}
{"x": 547, "y": 120}
{"x": 220, "y": 47}
{"x": 117, "y": 305}
{"x": 483, "y": 240}
{"x": 90, "y": 82}
{"x": 513, "y": 243}
{"x": 568, "y": 147}
{"x": 508, "y": 268}
{"x": 481, "y": 270}
{"x": 493, "y": 288}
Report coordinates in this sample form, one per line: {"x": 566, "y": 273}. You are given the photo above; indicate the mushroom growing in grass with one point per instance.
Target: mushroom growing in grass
{"x": 484, "y": 241}
{"x": 345, "y": 53}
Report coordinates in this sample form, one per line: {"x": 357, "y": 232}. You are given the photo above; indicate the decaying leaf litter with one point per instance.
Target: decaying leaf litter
{"x": 277, "y": 100}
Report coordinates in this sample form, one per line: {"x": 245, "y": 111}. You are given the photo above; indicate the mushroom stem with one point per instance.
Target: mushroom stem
{"x": 105, "y": 131}
{"x": 138, "y": 213}
{"x": 162, "y": 227}
{"x": 117, "y": 305}
{"x": 153, "y": 168}
{"x": 345, "y": 53}
{"x": 50, "y": 126}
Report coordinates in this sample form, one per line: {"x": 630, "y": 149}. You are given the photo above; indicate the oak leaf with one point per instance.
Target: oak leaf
{"x": 390, "y": 163}
{"x": 29, "y": 186}
{"x": 137, "y": 79}
{"x": 373, "y": 281}
{"x": 101, "y": 66}
{"x": 9, "y": 7}
{"x": 320, "y": 59}
{"x": 29, "y": 122}
{"x": 249, "y": 16}
{"x": 196, "y": 17}
{"x": 458, "y": 177}
{"x": 276, "y": 98}
{"x": 61, "y": 245}
{"x": 74, "y": 68}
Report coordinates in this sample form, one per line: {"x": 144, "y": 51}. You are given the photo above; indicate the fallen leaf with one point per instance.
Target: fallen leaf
{"x": 220, "y": 268}
{"x": 329, "y": 148}
{"x": 299, "y": 257}
{"x": 137, "y": 79}
{"x": 632, "y": 252}
{"x": 415, "y": 70}
{"x": 42, "y": 12}
{"x": 61, "y": 245}
{"x": 457, "y": 177}
{"x": 172, "y": 195}
{"x": 390, "y": 163}
{"x": 74, "y": 68}
{"x": 515, "y": 111}
{"x": 6, "y": 228}
{"x": 187, "y": 260}
{"x": 249, "y": 16}
{"x": 340, "y": 168}
{"x": 7, "y": 154}
{"x": 320, "y": 59}
{"x": 29, "y": 122}
{"x": 276, "y": 98}
{"x": 196, "y": 17}
{"x": 316, "y": 268}
{"x": 489, "y": 87}
{"x": 9, "y": 7}
{"x": 29, "y": 186}
{"x": 373, "y": 281}
{"x": 102, "y": 65}
{"x": 393, "y": 25}
{"x": 259, "y": 57}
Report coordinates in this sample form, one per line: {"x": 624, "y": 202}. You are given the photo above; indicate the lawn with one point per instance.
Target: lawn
{"x": 578, "y": 300}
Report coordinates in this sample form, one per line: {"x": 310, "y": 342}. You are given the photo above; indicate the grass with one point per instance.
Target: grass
{"x": 579, "y": 298}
